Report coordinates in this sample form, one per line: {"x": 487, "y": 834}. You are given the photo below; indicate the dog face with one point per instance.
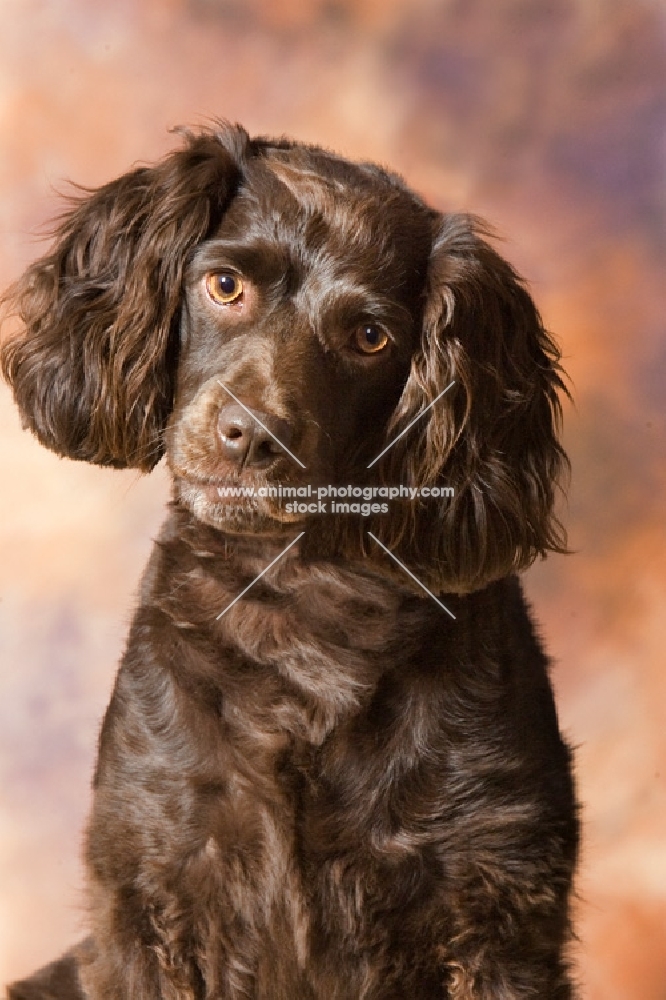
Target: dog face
{"x": 269, "y": 313}
{"x": 304, "y": 306}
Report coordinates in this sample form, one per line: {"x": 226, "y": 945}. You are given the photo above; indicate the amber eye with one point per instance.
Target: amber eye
{"x": 369, "y": 339}
{"x": 224, "y": 287}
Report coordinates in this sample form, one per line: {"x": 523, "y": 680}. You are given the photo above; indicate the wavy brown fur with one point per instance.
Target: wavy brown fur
{"x": 328, "y": 788}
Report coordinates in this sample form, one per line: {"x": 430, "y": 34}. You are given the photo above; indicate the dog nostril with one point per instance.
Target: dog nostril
{"x": 246, "y": 439}
{"x": 267, "y": 448}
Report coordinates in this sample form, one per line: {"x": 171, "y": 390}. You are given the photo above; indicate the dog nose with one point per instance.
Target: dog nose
{"x": 251, "y": 438}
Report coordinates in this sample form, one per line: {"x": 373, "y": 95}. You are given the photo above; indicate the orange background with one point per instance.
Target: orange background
{"x": 548, "y": 117}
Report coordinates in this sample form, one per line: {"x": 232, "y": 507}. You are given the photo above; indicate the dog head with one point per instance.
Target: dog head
{"x": 276, "y": 318}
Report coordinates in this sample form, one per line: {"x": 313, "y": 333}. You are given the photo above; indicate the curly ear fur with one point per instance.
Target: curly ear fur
{"x": 92, "y": 371}
{"x": 493, "y": 436}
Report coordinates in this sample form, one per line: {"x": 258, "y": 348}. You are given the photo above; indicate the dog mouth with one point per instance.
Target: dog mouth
{"x": 248, "y": 505}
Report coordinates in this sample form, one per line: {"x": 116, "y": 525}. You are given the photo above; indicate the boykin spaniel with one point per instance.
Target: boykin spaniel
{"x": 331, "y": 768}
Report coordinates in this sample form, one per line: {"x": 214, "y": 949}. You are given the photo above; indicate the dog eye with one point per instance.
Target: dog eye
{"x": 224, "y": 287}
{"x": 369, "y": 339}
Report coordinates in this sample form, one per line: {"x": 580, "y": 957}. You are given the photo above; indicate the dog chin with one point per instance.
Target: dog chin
{"x": 233, "y": 515}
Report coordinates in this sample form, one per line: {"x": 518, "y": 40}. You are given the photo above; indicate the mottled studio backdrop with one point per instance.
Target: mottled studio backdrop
{"x": 546, "y": 116}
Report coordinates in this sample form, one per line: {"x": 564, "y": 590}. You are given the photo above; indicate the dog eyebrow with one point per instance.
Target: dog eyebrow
{"x": 265, "y": 261}
{"x": 351, "y": 301}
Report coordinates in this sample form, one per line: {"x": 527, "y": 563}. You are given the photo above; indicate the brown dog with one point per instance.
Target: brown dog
{"x": 315, "y": 779}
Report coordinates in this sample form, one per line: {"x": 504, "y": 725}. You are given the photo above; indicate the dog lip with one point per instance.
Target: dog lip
{"x": 220, "y": 482}
{"x": 224, "y": 490}
{"x": 206, "y": 497}
{"x": 222, "y": 487}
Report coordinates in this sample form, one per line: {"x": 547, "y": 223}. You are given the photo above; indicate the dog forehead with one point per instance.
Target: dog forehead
{"x": 347, "y": 195}
{"x": 309, "y": 206}
{"x": 312, "y": 188}
{"x": 311, "y": 200}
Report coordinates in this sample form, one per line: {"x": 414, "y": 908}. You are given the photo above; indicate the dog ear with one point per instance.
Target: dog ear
{"x": 93, "y": 365}
{"x": 493, "y": 437}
